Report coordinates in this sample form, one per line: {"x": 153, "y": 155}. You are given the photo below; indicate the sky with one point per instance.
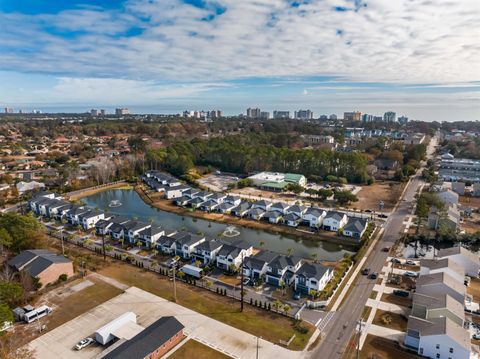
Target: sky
{"x": 416, "y": 57}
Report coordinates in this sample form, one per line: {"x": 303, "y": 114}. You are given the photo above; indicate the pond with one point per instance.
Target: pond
{"x": 128, "y": 203}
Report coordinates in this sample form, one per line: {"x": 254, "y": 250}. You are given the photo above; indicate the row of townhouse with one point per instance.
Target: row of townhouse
{"x": 276, "y": 269}
{"x": 279, "y": 212}
{"x": 51, "y": 205}
{"x": 436, "y": 325}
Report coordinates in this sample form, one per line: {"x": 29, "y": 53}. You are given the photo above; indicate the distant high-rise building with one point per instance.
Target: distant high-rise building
{"x": 253, "y": 112}
{"x": 281, "y": 115}
{"x": 102, "y": 112}
{"x": 215, "y": 114}
{"x": 352, "y": 116}
{"x": 264, "y": 115}
{"x": 367, "y": 118}
{"x": 333, "y": 116}
{"x": 403, "y": 120}
{"x": 8, "y": 110}
{"x": 377, "y": 118}
{"x": 94, "y": 112}
{"x": 389, "y": 116}
{"x": 323, "y": 117}
{"x": 303, "y": 115}
{"x": 121, "y": 111}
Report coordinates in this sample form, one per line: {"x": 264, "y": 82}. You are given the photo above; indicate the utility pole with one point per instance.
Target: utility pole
{"x": 257, "y": 348}
{"x": 241, "y": 287}
{"x": 61, "y": 238}
{"x": 174, "y": 284}
{"x": 103, "y": 246}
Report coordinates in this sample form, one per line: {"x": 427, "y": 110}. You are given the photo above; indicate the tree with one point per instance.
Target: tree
{"x": 6, "y": 314}
{"x": 6, "y": 240}
{"x": 286, "y": 309}
{"x": 10, "y": 293}
{"x": 345, "y": 197}
{"x": 324, "y": 193}
{"x": 24, "y": 232}
{"x": 294, "y": 187}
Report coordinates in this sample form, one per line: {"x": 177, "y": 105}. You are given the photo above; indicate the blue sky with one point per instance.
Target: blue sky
{"x": 416, "y": 57}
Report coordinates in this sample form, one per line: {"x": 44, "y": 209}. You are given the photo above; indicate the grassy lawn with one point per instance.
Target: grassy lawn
{"x": 395, "y": 299}
{"x": 366, "y": 312}
{"x": 373, "y": 294}
{"x": 270, "y": 326}
{"x": 376, "y": 347}
{"x": 197, "y": 350}
{"x": 399, "y": 322}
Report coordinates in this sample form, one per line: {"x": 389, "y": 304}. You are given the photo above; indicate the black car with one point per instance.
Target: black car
{"x": 365, "y": 271}
{"x": 401, "y": 293}
{"x": 373, "y": 276}
{"x": 382, "y": 216}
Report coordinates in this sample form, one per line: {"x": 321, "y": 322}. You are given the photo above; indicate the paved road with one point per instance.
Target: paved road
{"x": 340, "y": 330}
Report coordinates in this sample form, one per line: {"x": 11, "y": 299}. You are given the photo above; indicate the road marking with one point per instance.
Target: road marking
{"x": 324, "y": 321}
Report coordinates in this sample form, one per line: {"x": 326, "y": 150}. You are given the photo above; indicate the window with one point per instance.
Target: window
{"x": 421, "y": 351}
{"x": 437, "y": 346}
{"x": 438, "y": 355}
{"x": 451, "y": 350}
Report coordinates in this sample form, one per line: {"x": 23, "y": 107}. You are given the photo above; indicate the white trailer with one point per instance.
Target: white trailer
{"x": 192, "y": 270}
{"x": 105, "y": 334}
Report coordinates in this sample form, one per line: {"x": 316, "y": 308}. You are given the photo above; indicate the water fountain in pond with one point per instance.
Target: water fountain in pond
{"x": 114, "y": 203}
{"x": 231, "y": 231}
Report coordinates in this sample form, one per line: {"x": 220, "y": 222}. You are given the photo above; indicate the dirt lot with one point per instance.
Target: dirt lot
{"x": 399, "y": 322}
{"x": 68, "y": 302}
{"x": 473, "y": 202}
{"x": 369, "y": 196}
{"x": 474, "y": 289}
{"x": 197, "y": 350}
{"x": 395, "y": 299}
{"x": 380, "y": 348}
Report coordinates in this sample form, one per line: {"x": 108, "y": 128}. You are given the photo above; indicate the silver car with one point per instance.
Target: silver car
{"x": 84, "y": 343}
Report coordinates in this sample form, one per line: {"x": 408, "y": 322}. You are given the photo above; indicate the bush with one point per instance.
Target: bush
{"x": 62, "y": 278}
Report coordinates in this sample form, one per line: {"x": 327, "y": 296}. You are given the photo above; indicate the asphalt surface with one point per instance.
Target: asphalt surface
{"x": 339, "y": 331}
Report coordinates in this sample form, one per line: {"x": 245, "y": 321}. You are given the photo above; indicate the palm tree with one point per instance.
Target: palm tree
{"x": 261, "y": 244}
{"x": 314, "y": 257}
{"x": 286, "y": 309}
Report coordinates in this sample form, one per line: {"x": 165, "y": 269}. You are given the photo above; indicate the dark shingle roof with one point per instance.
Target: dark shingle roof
{"x": 312, "y": 270}
{"x": 35, "y": 261}
{"x": 148, "y": 340}
{"x": 355, "y": 225}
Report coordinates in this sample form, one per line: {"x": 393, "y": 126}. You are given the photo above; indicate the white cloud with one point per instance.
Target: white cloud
{"x": 401, "y": 41}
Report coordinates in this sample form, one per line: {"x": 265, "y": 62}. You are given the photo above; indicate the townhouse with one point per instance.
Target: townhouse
{"x": 281, "y": 270}
{"x": 255, "y": 267}
{"x": 207, "y": 251}
{"x": 241, "y": 209}
{"x": 175, "y": 191}
{"x": 88, "y": 219}
{"x": 225, "y": 207}
{"x": 231, "y": 255}
{"x": 292, "y": 219}
{"x": 255, "y": 213}
{"x": 297, "y": 209}
{"x": 312, "y": 278}
{"x": 150, "y": 235}
{"x": 334, "y": 220}
{"x": 185, "y": 244}
{"x": 441, "y": 283}
{"x": 314, "y": 216}
{"x": 447, "y": 265}
{"x": 102, "y": 227}
{"x": 262, "y": 204}
{"x": 355, "y": 227}
{"x": 132, "y": 229}
{"x": 273, "y": 216}
{"x": 468, "y": 260}
{"x": 280, "y": 207}
{"x": 74, "y": 214}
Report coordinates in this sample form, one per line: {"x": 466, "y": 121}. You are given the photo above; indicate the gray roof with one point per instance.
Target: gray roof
{"x": 296, "y": 208}
{"x": 335, "y": 215}
{"x": 243, "y": 206}
{"x": 209, "y": 246}
{"x": 312, "y": 270}
{"x": 151, "y": 231}
{"x": 35, "y": 261}
{"x": 273, "y": 214}
{"x": 315, "y": 211}
{"x": 356, "y": 225}
{"x": 458, "y": 250}
{"x": 281, "y": 205}
{"x": 292, "y": 217}
{"x": 281, "y": 261}
{"x": 262, "y": 203}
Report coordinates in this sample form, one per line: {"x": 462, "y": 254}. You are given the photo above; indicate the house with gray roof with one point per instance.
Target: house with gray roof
{"x": 312, "y": 277}
{"x": 292, "y": 219}
{"x": 355, "y": 227}
{"x": 440, "y": 283}
{"x": 280, "y": 207}
{"x": 282, "y": 270}
{"x": 225, "y": 207}
{"x": 185, "y": 244}
{"x": 314, "y": 216}
{"x": 42, "y": 264}
{"x": 255, "y": 213}
{"x": 150, "y": 235}
{"x": 241, "y": 209}
{"x": 273, "y": 216}
{"x": 255, "y": 267}
{"x": 334, "y": 220}
{"x": 468, "y": 260}
{"x": 206, "y": 252}
{"x": 297, "y": 209}
{"x": 262, "y": 204}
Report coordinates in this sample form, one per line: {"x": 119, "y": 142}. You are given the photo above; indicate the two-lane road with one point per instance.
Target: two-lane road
{"x": 339, "y": 331}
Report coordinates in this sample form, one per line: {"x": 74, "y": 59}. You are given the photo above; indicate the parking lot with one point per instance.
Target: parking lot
{"x": 217, "y": 182}
{"x": 59, "y": 342}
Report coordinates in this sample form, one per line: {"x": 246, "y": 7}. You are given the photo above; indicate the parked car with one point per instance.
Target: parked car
{"x": 84, "y": 343}
{"x": 368, "y": 211}
{"x": 296, "y": 295}
{"x": 365, "y": 271}
{"x": 246, "y": 281}
{"x": 382, "y": 216}
{"x": 476, "y": 336}
{"x": 410, "y": 274}
{"x": 373, "y": 276}
{"x": 401, "y": 293}
{"x": 410, "y": 262}
{"x": 386, "y": 249}
{"x": 172, "y": 262}
{"x": 396, "y": 260}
